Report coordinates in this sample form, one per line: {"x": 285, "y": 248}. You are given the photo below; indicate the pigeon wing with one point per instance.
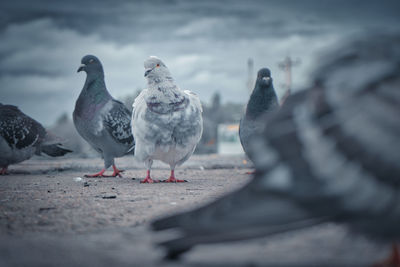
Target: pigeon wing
{"x": 117, "y": 123}
{"x": 19, "y": 130}
{"x": 194, "y": 100}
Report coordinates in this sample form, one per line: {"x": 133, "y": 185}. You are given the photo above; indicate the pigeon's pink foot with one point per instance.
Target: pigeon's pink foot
{"x": 251, "y": 172}
{"x": 148, "y": 179}
{"x": 116, "y": 172}
{"x": 99, "y": 174}
{"x": 393, "y": 260}
{"x": 3, "y": 171}
{"x": 172, "y": 179}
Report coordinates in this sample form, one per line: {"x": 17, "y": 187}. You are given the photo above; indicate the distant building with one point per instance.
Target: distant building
{"x": 213, "y": 115}
{"x": 228, "y": 139}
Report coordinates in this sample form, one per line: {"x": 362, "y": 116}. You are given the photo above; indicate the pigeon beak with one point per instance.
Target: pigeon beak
{"x": 147, "y": 72}
{"x": 267, "y": 80}
{"x": 81, "y": 67}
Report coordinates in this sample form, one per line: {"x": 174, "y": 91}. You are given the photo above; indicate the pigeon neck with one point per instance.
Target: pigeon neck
{"x": 95, "y": 88}
{"x": 261, "y": 100}
{"x": 164, "y": 91}
{"x": 95, "y": 84}
{"x": 160, "y": 81}
{"x": 94, "y": 77}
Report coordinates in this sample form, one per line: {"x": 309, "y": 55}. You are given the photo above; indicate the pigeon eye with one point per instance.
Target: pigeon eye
{"x": 158, "y": 65}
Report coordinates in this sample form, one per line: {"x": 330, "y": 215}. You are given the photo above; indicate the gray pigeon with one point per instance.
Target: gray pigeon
{"x": 262, "y": 101}
{"x": 166, "y": 121}
{"x": 21, "y": 137}
{"x": 331, "y": 153}
{"x": 100, "y": 119}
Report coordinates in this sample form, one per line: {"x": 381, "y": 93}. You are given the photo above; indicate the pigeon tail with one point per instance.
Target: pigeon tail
{"x": 54, "y": 150}
{"x": 176, "y": 247}
{"x": 234, "y": 212}
{"x": 249, "y": 213}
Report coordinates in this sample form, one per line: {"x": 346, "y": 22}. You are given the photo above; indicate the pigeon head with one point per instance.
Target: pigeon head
{"x": 264, "y": 77}
{"x": 155, "y": 69}
{"x": 90, "y": 64}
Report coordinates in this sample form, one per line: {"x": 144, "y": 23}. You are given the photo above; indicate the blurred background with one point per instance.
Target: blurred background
{"x": 213, "y": 48}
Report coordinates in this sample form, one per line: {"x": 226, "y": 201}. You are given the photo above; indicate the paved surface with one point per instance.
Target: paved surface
{"x": 51, "y": 216}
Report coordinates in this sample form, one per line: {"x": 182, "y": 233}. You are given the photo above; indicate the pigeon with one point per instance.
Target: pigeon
{"x": 263, "y": 100}
{"x": 21, "y": 137}
{"x": 329, "y": 154}
{"x": 100, "y": 119}
{"x": 166, "y": 121}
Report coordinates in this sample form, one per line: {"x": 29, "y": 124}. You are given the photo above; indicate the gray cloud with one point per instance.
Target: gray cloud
{"x": 205, "y": 44}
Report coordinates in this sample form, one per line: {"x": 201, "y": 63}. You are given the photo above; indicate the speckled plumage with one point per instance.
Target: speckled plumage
{"x": 21, "y": 137}
{"x": 263, "y": 100}
{"x": 329, "y": 154}
{"x": 167, "y": 122}
{"x": 101, "y": 120}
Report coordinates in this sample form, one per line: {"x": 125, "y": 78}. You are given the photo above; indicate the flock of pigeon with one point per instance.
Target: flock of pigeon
{"x": 329, "y": 153}
{"x": 166, "y": 123}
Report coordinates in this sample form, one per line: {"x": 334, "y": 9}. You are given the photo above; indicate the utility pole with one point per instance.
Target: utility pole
{"x": 287, "y": 65}
{"x": 250, "y": 75}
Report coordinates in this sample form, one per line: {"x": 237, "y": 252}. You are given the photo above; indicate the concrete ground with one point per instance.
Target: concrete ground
{"x": 50, "y": 215}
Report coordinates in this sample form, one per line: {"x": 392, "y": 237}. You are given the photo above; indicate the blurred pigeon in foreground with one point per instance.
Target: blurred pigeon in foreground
{"x": 100, "y": 119}
{"x": 263, "y": 100}
{"x": 330, "y": 153}
{"x": 21, "y": 137}
{"x": 166, "y": 121}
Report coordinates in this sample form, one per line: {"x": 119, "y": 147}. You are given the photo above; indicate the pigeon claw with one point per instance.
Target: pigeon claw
{"x": 174, "y": 180}
{"x": 116, "y": 172}
{"x": 99, "y": 174}
{"x": 148, "y": 180}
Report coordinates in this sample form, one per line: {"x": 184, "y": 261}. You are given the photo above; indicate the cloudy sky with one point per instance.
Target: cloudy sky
{"x": 205, "y": 44}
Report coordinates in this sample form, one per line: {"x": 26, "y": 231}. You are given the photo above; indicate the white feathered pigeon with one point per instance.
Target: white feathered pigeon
{"x": 330, "y": 153}
{"x": 21, "y": 137}
{"x": 166, "y": 121}
{"x": 100, "y": 119}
